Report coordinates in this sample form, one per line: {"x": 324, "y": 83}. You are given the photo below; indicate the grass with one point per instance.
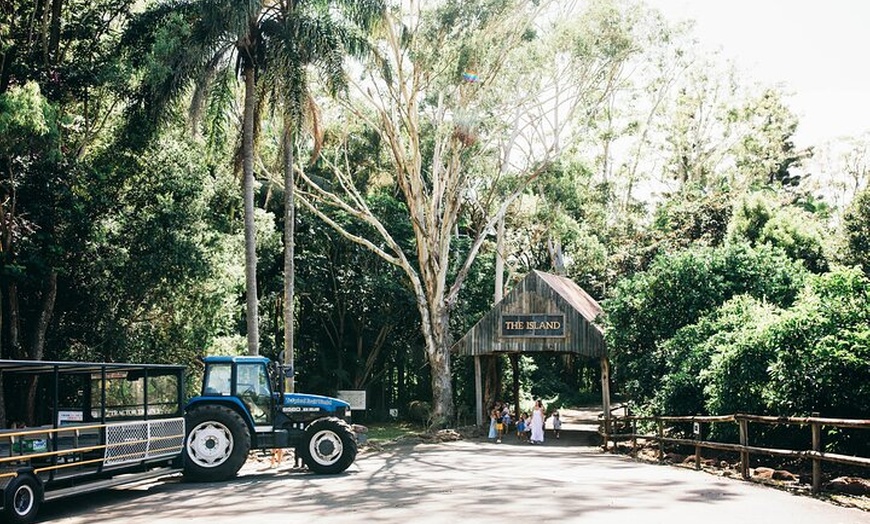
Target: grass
{"x": 386, "y": 431}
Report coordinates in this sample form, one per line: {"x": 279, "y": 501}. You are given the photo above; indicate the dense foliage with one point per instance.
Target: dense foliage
{"x": 651, "y": 307}
{"x": 666, "y": 186}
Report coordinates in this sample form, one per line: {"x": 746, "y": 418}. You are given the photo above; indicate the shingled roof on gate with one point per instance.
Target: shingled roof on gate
{"x": 539, "y": 293}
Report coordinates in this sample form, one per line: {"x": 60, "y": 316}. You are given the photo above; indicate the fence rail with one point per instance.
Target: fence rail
{"x": 816, "y": 455}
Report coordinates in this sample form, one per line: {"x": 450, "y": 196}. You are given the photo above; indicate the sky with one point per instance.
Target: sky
{"x": 818, "y": 51}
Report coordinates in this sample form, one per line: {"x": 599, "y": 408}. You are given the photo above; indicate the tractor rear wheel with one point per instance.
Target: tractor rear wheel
{"x": 329, "y": 446}
{"x": 217, "y": 443}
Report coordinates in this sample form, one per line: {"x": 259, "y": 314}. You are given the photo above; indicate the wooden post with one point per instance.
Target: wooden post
{"x": 605, "y": 397}
{"x": 661, "y": 431}
{"x": 744, "y": 441}
{"x": 515, "y": 371}
{"x": 478, "y": 392}
{"x": 634, "y": 438}
{"x": 697, "y": 445}
{"x": 817, "y": 463}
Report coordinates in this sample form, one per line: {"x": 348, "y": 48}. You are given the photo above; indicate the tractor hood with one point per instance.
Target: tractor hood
{"x": 303, "y": 403}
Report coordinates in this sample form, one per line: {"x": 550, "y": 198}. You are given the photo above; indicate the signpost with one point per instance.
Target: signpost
{"x": 532, "y": 326}
{"x": 355, "y": 397}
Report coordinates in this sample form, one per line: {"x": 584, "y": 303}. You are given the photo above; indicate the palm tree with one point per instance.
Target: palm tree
{"x": 275, "y": 40}
{"x": 180, "y": 43}
{"x": 306, "y": 33}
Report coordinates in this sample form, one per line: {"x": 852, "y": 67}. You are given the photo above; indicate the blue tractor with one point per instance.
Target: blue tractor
{"x": 243, "y": 406}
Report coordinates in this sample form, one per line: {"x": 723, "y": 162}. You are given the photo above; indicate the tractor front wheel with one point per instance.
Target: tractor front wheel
{"x": 217, "y": 443}
{"x": 329, "y": 446}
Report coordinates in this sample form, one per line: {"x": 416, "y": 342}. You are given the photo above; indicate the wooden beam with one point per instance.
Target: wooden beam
{"x": 515, "y": 369}
{"x": 478, "y": 391}
{"x": 605, "y": 396}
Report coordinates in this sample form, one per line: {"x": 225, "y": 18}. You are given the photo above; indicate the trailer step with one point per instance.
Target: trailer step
{"x": 120, "y": 480}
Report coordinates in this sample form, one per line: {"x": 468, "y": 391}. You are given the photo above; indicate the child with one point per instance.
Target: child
{"x": 277, "y": 457}
{"x": 521, "y": 426}
{"x": 557, "y": 424}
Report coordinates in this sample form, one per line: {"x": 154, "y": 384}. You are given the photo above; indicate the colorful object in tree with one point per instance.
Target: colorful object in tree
{"x": 470, "y": 77}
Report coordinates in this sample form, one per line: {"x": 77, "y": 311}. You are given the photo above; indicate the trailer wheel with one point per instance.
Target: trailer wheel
{"x": 329, "y": 446}
{"x": 217, "y": 443}
{"x": 22, "y": 498}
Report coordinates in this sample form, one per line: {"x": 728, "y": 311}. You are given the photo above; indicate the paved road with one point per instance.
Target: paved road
{"x": 466, "y": 481}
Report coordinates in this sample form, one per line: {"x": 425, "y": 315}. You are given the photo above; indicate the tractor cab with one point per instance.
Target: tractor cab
{"x": 247, "y": 379}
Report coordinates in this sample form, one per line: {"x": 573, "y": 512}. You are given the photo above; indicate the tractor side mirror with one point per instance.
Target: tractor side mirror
{"x": 286, "y": 369}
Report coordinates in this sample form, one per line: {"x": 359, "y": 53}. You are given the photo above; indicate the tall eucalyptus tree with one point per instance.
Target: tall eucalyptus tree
{"x": 458, "y": 124}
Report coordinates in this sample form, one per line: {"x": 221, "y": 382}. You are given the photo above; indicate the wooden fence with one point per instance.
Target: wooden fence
{"x": 610, "y": 432}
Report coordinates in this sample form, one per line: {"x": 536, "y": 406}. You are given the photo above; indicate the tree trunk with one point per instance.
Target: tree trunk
{"x": 289, "y": 252}
{"x": 253, "y": 324}
{"x": 3, "y": 423}
{"x": 498, "y": 294}
{"x": 491, "y": 383}
{"x": 402, "y": 396}
{"x": 438, "y": 351}
{"x": 37, "y": 347}
{"x": 54, "y": 31}
{"x": 37, "y": 351}
{"x": 15, "y": 350}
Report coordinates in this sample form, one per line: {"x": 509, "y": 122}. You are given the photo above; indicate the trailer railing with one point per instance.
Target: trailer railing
{"x": 95, "y": 445}
{"x": 624, "y": 427}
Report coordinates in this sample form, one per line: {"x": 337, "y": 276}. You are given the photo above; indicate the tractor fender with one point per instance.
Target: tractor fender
{"x": 230, "y": 402}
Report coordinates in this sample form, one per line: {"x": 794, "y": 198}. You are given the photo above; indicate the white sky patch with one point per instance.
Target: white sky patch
{"x": 817, "y": 51}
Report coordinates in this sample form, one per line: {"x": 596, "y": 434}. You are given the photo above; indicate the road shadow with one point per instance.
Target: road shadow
{"x": 462, "y": 481}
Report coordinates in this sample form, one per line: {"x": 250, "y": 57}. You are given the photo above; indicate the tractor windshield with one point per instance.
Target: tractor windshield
{"x": 253, "y": 388}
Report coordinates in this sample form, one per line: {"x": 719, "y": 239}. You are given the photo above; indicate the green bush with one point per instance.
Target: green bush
{"x": 705, "y": 361}
{"x": 822, "y": 361}
{"x": 751, "y": 356}
{"x": 856, "y": 225}
{"x": 651, "y": 307}
{"x": 794, "y": 230}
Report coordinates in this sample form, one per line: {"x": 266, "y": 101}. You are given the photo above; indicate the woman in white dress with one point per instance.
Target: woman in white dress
{"x": 537, "y": 423}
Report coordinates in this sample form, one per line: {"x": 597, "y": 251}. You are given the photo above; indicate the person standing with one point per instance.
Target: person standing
{"x": 557, "y": 424}
{"x": 493, "y": 418}
{"x": 537, "y": 436}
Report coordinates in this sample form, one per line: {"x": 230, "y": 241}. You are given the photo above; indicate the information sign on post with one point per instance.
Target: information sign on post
{"x": 355, "y": 397}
